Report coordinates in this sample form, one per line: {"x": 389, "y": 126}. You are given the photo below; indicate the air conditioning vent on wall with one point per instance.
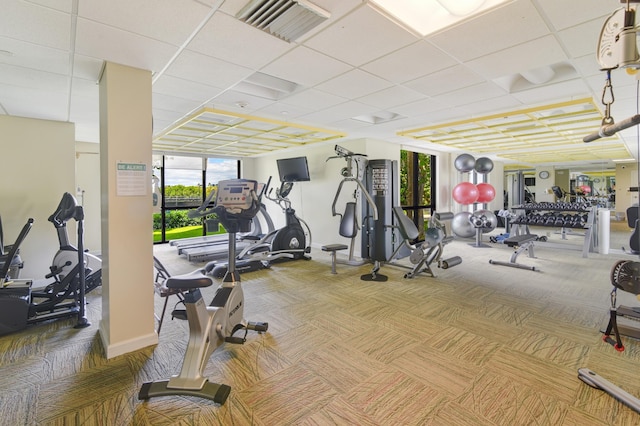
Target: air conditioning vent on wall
{"x": 286, "y": 19}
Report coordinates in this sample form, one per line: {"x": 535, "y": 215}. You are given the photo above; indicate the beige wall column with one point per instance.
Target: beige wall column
{"x": 127, "y": 249}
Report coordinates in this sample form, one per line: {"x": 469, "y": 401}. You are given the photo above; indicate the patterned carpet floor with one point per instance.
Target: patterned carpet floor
{"x": 478, "y": 344}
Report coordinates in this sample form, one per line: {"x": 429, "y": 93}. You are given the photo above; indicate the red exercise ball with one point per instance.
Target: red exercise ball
{"x": 465, "y": 193}
{"x": 586, "y": 189}
{"x": 486, "y": 192}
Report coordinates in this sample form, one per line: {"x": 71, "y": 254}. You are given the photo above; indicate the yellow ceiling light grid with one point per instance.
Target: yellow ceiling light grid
{"x": 549, "y": 133}
{"x": 214, "y": 132}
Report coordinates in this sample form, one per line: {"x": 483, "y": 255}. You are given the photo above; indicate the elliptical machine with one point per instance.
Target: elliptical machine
{"x": 66, "y": 258}
{"x": 287, "y": 243}
{"x": 20, "y": 305}
{"x": 211, "y": 326}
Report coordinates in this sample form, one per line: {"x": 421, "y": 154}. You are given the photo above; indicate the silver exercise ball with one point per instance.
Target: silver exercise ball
{"x": 461, "y": 226}
{"x": 484, "y": 219}
{"x": 464, "y": 162}
{"x": 483, "y": 165}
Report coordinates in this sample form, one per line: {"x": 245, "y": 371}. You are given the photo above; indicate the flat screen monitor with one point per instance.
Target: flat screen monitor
{"x": 293, "y": 169}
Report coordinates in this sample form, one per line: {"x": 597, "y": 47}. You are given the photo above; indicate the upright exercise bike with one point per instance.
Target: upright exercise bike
{"x": 211, "y": 326}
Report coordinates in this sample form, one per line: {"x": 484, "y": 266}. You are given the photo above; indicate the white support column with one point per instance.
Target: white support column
{"x": 127, "y": 247}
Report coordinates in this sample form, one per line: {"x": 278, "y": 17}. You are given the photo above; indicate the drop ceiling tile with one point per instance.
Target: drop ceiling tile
{"x": 353, "y": 84}
{"x": 488, "y": 106}
{"x": 470, "y": 94}
{"x": 225, "y": 37}
{"x": 35, "y": 102}
{"x": 203, "y": 69}
{"x": 524, "y": 57}
{"x": 422, "y": 108}
{"x": 587, "y": 65}
{"x": 86, "y": 67}
{"x": 85, "y": 108}
{"x": 83, "y": 88}
{"x": 61, "y": 5}
{"x": 416, "y": 60}
{"x": 34, "y": 56}
{"x": 314, "y": 99}
{"x": 168, "y": 21}
{"x": 338, "y": 112}
{"x": 237, "y": 99}
{"x": 185, "y": 89}
{"x": 35, "y": 24}
{"x": 504, "y": 27}
{"x": 446, "y": 80}
{"x": 564, "y": 14}
{"x": 99, "y": 41}
{"x": 360, "y": 37}
{"x": 553, "y": 92}
{"x": 284, "y": 111}
{"x": 306, "y": 67}
{"x": 391, "y": 97}
{"x": 582, "y": 39}
{"x": 171, "y": 103}
{"x": 33, "y": 79}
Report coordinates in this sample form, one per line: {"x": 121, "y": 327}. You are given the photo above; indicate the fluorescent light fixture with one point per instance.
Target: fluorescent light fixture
{"x": 624, "y": 160}
{"x": 428, "y": 16}
{"x": 461, "y": 7}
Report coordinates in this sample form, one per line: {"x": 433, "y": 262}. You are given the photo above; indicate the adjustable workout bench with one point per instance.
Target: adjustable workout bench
{"x": 520, "y": 243}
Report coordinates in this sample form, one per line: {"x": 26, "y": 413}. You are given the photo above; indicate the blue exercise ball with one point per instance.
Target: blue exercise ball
{"x": 464, "y": 162}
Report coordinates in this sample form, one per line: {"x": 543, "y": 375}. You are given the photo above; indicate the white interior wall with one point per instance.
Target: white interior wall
{"x": 626, "y": 177}
{"x": 88, "y": 192}
{"x": 311, "y": 200}
{"x": 38, "y": 169}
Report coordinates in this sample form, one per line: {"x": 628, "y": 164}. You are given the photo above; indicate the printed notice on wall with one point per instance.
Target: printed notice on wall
{"x": 131, "y": 179}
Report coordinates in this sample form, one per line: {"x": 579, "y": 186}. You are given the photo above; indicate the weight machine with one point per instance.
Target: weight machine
{"x": 349, "y": 226}
{"x": 617, "y": 48}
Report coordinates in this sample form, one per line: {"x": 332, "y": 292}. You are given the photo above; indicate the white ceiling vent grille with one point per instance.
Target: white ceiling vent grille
{"x": 286, "y": 19}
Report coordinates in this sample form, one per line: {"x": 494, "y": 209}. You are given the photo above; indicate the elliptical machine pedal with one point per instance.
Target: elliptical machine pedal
{"x": 211, "y": 326}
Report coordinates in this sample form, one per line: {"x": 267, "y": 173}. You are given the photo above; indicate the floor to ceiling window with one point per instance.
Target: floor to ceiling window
{"x": 182, "y": 184}
{"x": 417, "y": 186}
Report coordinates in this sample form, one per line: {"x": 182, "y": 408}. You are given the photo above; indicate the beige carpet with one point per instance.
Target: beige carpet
{"x": 480, "y": 344}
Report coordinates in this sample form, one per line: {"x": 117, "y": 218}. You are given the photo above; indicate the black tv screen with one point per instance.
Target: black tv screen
{"x": 293, "y": 169}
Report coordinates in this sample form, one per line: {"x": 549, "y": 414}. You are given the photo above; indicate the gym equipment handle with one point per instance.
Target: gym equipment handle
{"x": 612, "y": 129}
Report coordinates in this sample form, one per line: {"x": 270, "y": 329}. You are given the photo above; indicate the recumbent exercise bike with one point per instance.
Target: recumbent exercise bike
{"x": 211, "y": 326}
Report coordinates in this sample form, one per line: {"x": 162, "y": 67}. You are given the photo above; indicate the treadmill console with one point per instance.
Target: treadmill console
{"x": 237, "y": 196}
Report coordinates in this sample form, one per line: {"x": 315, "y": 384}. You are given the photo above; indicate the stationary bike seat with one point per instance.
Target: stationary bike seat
{"x": 195, "y": 279}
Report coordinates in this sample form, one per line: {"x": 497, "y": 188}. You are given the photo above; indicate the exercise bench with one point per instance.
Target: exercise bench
{"x": 520, "y": 243}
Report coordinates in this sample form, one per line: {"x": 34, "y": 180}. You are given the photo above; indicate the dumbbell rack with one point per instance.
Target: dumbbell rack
{"x": 558, "y": 215}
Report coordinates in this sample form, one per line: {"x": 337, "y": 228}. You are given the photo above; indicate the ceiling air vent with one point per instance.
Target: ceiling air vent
{"x": 286, "y": 19}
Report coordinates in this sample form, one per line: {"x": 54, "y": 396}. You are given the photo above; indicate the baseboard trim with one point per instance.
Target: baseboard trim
{"x": 113, "y": 350}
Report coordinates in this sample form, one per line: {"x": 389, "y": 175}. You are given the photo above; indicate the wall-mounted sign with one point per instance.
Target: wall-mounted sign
{"x": 131, "y": 179}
